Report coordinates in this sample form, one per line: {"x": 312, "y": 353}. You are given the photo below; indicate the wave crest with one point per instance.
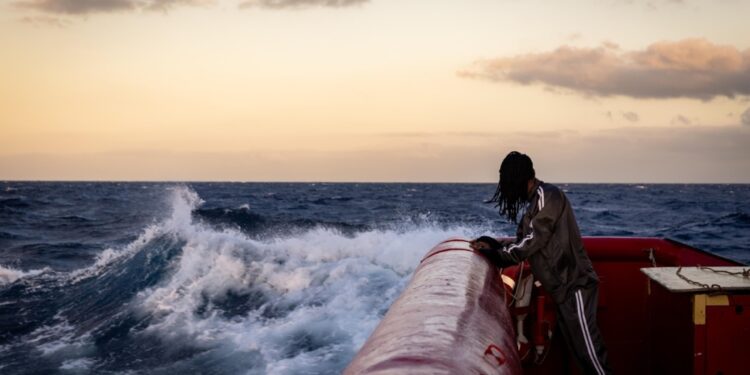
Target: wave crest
{"x": 186, "y": 295}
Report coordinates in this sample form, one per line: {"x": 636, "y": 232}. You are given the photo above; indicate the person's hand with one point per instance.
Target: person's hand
{"x": 485, "y": 243}
{"x": 478, "y": 245}
{"x": 487, "y": 247}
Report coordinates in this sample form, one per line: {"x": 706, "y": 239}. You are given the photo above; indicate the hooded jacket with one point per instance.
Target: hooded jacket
{"x": 548, "y": 236}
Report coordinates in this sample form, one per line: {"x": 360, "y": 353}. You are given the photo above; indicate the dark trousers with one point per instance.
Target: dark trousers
{"x": 576, "y": 318}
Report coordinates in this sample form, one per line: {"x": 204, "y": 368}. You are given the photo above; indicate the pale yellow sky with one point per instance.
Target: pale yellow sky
{"x": 379, "y": 90}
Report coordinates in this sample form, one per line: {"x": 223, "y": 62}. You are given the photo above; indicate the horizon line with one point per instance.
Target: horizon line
{"x": 357, "y": 182}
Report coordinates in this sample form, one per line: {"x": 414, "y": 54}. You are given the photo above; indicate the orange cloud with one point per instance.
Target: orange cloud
{"x": 693, "y": 68}
{"x": 45, "y": 21}
{"x": 299, "y": 3}
{"x": 745, "y": 117}
{"x": 79, "y": 7}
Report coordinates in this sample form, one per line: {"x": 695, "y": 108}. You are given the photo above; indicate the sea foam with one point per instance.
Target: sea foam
{"x": 9, "y": 274}
{"x": 300, "y": 301}
{"x": 317, "y": 294}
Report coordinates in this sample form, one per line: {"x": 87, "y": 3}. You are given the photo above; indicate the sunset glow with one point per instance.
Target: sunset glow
{"x": 378, "y": 90}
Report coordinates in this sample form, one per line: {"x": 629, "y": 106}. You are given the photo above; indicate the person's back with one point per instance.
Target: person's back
{"x": 562, "y": 264}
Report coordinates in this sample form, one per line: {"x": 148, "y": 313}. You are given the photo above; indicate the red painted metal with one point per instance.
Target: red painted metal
{"x": 647, "y": 329}
{"x": 727, "y": 343}
{"x": 450, "y": 319}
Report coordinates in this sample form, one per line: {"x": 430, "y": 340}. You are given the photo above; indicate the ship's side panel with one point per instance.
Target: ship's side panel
{"x": 727, "y": 334}
{"x": 670, "y": 346}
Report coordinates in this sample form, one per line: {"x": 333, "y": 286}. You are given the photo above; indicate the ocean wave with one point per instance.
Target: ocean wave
{"x": 10, "y": 275}
{"x": 606, "y": 215}
{"x": 740, "y": 219}
{"x": 9, "y": 236}
{"x": 15, "y": 203}
{"x": 329, "y": 200}
{"x": 255, "y": 224}
{"x": 75, "y": 219}
{"x": 189, "y": 296}
{"x": 242, "y": 218}
{"x": 736, "y": 220}
{"x": 297, "y": 303}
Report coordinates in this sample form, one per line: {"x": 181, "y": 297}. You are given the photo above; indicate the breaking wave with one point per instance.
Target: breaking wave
{"x": 187, "y": 295}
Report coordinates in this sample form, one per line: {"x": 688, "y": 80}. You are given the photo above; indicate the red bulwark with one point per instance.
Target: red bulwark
{"x": 452, "y": 318}
{"x": 651, "y": 330}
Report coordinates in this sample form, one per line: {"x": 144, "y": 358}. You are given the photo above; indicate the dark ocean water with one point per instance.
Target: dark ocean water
{"x": 277, "y": 278}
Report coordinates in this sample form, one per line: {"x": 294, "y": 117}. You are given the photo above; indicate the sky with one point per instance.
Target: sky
{"x": 638, "y": 91}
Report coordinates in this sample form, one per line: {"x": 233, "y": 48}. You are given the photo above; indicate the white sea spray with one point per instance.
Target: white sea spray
{"x": 10, "y": 275}
{"x": 300, "y": 301}
{"x": 327, "y": 290}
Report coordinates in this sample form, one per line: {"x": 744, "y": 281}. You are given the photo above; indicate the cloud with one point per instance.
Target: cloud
{"x": 653, "y": 4}
{"x": 680, "y": 120}
{"x": 648, "y": 2}
{"x": 746, "y": 117}
{"x": 628, "y": 115}
{"x": 164, "y": 5}
{"x": 574, "y": 37}
{"x": 631, "y": 116}
{"x": 84, "y": 7}
{"x": 78, "y": 6}
{"x": 690, "y": 68}
{"x": 278, "y": 4}
{"x": 45, "y": 21}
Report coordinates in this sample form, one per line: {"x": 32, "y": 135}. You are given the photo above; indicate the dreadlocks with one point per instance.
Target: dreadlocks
{"x": 512, "y": 190}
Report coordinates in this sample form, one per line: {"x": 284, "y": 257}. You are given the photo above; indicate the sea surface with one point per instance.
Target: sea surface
{"x": 264, "y": 278}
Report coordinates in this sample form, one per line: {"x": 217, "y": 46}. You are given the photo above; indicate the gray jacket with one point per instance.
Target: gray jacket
{"x": 549, "y": 238}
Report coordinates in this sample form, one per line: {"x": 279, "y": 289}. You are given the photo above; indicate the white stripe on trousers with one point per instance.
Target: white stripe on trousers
{"x": 586, "y": 335}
